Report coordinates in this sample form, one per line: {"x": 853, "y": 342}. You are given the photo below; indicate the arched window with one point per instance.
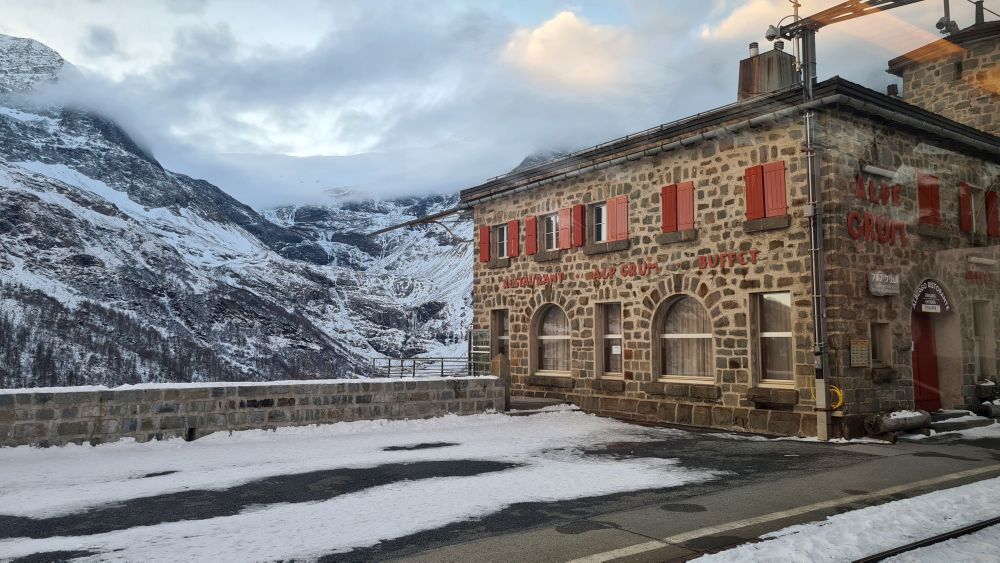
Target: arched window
{"x": 684, "y": 334}
{"x": 553, "y": 340}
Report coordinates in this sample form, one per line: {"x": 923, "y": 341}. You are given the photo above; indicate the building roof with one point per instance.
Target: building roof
{"x": 835, "y": 92}
{"x": 945, "y": 47}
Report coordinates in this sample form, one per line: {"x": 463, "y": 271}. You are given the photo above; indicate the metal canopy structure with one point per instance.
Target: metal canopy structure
{"x": 841, "y": 12}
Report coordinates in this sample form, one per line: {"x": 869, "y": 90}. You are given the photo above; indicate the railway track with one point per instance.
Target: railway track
{"x": 965, "y": 530}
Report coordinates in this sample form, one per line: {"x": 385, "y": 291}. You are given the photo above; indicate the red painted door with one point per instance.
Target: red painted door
{"x": 926, "y": 395}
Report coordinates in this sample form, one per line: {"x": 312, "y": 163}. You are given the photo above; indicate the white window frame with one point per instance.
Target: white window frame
{"x": 537, "y": 329}
{"x": 657, "y": 327}
{"x": 500, "y": 233}
{"x": 600, "y": 226}
{"x": 758, "y": 308}
{"x": 550, "y": 239}
{"x": 603, "y": 337}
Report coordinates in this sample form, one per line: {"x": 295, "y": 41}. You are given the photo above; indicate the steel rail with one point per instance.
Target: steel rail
{"x": 966, "y": 530}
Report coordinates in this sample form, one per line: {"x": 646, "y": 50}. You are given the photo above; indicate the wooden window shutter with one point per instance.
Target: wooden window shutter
{"x": 753, "y": 178}
{"x": 775, "y": 194}
{"x": 622, "y": 213}
{"x": 513, "y": 238}
{"x": 531, "y": 236}
{"x": 965, "y": 207}
{"x": 685, "y": 206}
{"x": 992, "y": 214}
{"x": 579, "y": 224}
{"x": 484, "y": 244}
{"x": 565, "y": 228}
{"x": 668, "y": 205}
{"x": 929, "y": 199}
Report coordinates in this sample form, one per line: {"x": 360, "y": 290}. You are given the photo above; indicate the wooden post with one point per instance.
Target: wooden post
{"x": 500, "y": 367}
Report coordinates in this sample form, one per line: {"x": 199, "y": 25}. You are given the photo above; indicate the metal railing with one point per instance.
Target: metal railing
{"x": 421, "y": 367}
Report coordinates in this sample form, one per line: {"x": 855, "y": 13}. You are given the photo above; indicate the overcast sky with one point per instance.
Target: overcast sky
{"x": 277, "y": 102}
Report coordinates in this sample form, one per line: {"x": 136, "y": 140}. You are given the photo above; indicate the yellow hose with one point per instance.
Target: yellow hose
{"x": 838, "y": 397}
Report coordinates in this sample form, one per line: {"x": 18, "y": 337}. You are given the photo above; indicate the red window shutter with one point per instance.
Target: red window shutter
{"x": 531, "y": 236}
{"x": 775, "y": 198}
{"x": 685, "y": 206}
{"x": 965, "y": 207}
{"x": 484, "y": 244}
{"x": 929, "y": 199}
{"x": 753, "y": 178}
{"x": 992, "y": 214}
{"x": 622, "y": 213}
{"x": 565, "y": 226}
{"x": 579, "y": 224}
{"x": 513, "y": 238}
{"x": 668, "y": 204}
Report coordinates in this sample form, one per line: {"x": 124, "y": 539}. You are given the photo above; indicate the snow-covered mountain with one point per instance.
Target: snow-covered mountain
{"x": 114, "y": 269}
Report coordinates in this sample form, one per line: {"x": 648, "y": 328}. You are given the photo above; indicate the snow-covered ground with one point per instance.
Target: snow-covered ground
{"x": 859, "y": 533}
{"x": 546, "y": 448}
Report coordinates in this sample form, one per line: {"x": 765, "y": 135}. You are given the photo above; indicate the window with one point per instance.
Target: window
{"x": 677, "y": 207}
{"x": 600, "y": 222}
{"x": 983, "y": 343}
{"x": 972, "y": 209}
{"x": 881, "y": 344}
{"x": 609, "y": 344}
{"x": 551, "y": 225}
{"x": 765, "y": 190}
{"x": 500, "y": 235}
{"x": 685, "y": 340}
{"x": 774, "y": 330}
{"x": 501, "y": 333}
{"x": 928, "y": 199}
{"x": 992, "y": 214}
{"x": 553, "y": 340}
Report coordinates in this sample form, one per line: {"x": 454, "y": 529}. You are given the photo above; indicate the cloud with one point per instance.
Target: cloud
{"x": 100, "y": 42}
{"x": 568, "y": 51}
{"x": 279, "y": 104}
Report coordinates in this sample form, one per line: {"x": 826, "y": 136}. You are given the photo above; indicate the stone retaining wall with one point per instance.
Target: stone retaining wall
{"x": 37, "y": 417}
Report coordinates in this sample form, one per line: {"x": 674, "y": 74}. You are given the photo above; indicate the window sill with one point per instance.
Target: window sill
{"x": 688, "y": 380}
{"x": 677, "y": 236}
{"x": 590, "y": 249}
{"x": 559, "y": 379}
{"x": 932, "y": 231}
{"x": 773, "y": 393}
{"x": 767, "y": 224}
{"x": 498, "y": 263}
{"x": 702, "y": 389}
{"x": 547, "y": 255}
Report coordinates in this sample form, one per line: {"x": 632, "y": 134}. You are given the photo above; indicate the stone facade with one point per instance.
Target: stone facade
{"x": 955, "y": 78}
{"x": 781, "y": 254}
{"x": 42, "y": 418}
{"x": 940, "y": 253}
{"x": 650, "y": 268}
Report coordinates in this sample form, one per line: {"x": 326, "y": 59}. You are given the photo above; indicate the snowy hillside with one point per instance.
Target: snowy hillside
{"x": 114, "y": 270}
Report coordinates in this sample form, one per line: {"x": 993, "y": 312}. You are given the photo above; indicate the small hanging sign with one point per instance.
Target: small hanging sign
{"x": 930, "y": 298}
{"x": 883, "y": 283}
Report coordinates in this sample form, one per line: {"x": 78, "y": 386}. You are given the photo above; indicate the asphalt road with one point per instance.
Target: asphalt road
{"x": 769, "y": 484}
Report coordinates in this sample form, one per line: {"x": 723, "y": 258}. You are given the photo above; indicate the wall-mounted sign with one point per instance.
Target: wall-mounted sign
{"x": 930, "y": 298}
{"x": 861, "y": 353}
{"x": 627, "y": 270}
{"x": 979, "y": 278}
{"x": 883, "y": 283}
{"x": 728, "y": 259}
{"x": 534, "y": 280}
{"x": 616, "y": 350}
{"x": 864, "y": 225}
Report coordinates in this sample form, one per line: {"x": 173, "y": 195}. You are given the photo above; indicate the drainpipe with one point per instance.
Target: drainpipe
{"x": 814, "y": 210}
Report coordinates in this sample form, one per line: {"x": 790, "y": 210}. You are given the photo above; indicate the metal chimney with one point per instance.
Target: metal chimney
{"x": 980, "y": 12}
{"x": 754, "y": 49}
{"x": 779, "y": 45}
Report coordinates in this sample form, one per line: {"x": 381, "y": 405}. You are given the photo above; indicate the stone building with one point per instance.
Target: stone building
{"x": 668, "y": 275}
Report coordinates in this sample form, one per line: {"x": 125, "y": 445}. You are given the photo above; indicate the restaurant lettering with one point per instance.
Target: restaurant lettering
{"x": 533, "y": 281}
{"x": 880, "y": 228}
